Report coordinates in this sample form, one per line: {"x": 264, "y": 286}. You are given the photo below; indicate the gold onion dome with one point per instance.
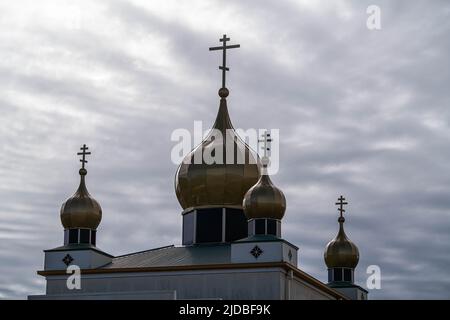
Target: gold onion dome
{"x": 81, "y": 210}
{"x": 264, "y": 199}
{"x": 199, "y": 184}
{"x": 341, "y": 252}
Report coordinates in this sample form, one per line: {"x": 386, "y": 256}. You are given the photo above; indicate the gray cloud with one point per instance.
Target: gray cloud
{"x": 361, "y": 113}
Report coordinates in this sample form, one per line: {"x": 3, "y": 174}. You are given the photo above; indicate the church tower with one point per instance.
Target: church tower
{"x": 341, "y": 257}
{"x": 264, "y": 204}
{"x": 80, "y": 216}
{"x": 212, "y": 180}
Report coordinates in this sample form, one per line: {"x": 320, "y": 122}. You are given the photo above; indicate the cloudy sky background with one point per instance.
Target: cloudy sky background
{"x": 361, "y": 113}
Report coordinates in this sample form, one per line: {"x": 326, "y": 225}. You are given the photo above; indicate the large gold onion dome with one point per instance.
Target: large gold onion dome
{"x": 81, "y": 210}
{"x": 201, "y": 185}
{"x": 341, "y": 252}
{"x": 264, "y": 199}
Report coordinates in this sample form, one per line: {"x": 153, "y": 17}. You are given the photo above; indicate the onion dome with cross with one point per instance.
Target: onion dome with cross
{"x": 341, "y": 252}
{"x": 264, "y": 199}
{"x": 212, "y": 179}
{"x": 81, "y": 214}
{"x": 223, "y": 179}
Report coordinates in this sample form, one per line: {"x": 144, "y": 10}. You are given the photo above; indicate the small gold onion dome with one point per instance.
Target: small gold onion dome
{"x": 264, "y": 199}
{"x": 341, "y": 252}
{"x": 81, "y": 210}
{"x": 200, "y": 184}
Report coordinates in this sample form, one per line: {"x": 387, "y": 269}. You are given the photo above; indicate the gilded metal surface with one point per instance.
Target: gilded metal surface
{"x": 264, "y": 200}
{"x": 81, "y": 210}
{"x": 341, "y": 252}
{"x": 198, "y": 184}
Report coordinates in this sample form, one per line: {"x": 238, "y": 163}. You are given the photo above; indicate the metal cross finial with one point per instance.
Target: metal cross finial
{"x": 266, "y": 139}
{"x": 83, "y": 153}
{"x": 341, "y": 205}
{"x": 224, "y": 48}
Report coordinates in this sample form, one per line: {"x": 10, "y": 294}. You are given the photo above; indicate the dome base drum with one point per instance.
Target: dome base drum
{"x": 214, "y": 225}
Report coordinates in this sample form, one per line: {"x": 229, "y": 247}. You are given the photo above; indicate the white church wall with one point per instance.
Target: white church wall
{"x": 253, "y": 284}
{"x": 294, "y": 288}
{"x": 137, "y": 295}
{"x": 202, "y": 284}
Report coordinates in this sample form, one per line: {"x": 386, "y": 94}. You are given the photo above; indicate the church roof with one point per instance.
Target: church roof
{"x": 171, "y": 256}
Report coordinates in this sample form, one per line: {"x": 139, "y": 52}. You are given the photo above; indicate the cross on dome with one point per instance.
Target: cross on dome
{"x": 83, "y": 155}
{"x": 266, "y": 140}
{"x": 224, "y": 48}
{"x": 341, "y": 205}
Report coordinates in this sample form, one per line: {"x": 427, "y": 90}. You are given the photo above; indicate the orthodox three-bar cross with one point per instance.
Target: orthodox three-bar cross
{"x": 266, "y": 140}
{"x": 83, "y": 153}
{"x": 224, "y": 48}
{"x": 341, "y": 205}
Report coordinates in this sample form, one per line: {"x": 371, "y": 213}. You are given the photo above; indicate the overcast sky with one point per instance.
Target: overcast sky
{"x": 361, "y": 113}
